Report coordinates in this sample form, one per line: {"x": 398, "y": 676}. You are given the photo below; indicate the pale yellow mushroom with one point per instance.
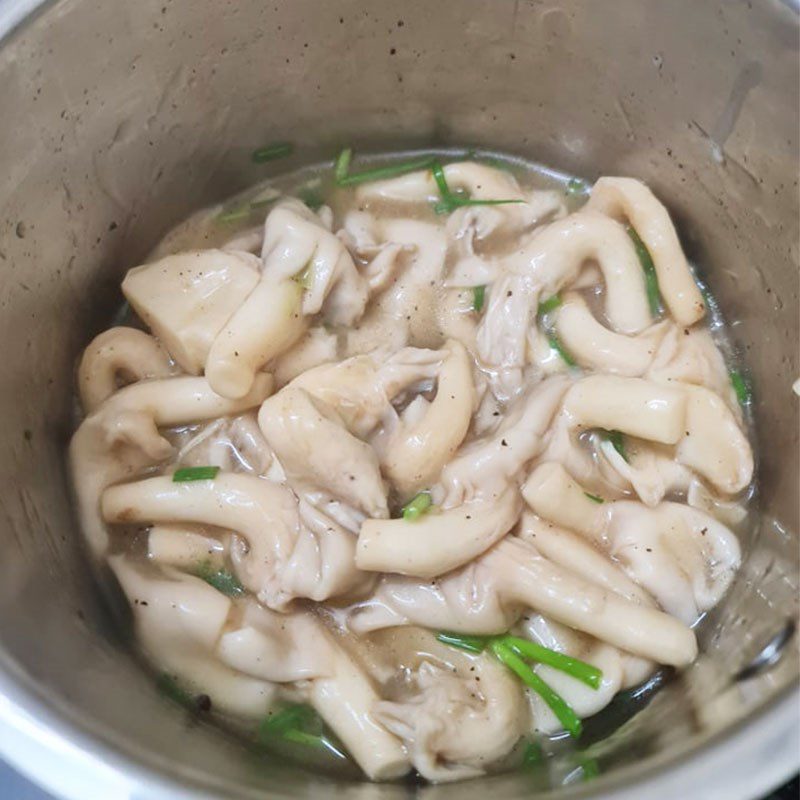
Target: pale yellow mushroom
{"x": 121, "y": 437}
{"x": 438, "y": 541}
{"x": 264, "y": 514}
{"x": 187, "y": 299}
{"x": 118, "y": 354}
{"x": 631, "y": 405}
{"x": 629, "y": 200}
{"x": 315, "y": 449}
{"x": 552, "y": 493}
{"x": 264, "y": 326}
{"x": 415, "y": 452}
{"x": 594, "y": 346}
{"x": 713, "y": 443}
{"x": 179, "y": 620}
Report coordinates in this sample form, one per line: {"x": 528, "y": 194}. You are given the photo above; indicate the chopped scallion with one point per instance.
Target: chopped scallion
{"x": 551, "y": 304}
{"x": 272, "y": 151}
{"x": 563, "y": 711}
{"x": 740, "y": 386}
{"x": 618, "y": 442}
{"x": 580, "y": 670}
{"x": 451, "y": 200}
{"x": 532, "y": 754}
{"x": 170, "y": 688}
{"x": 305, "y": 277}
{"x": 222, "y": 580}
{"x": 194, "y": 474}
{"x": 478, "y": 298}
{"x": 472, "y": 644}
{"x": 594, "y": 498}
{"x": 245, "y": 211}
{"x": 299, "y": 724}
{"x": 417, "y": 506}
{"x": 650, "y": 277}
{"x": 344, "y": 178}
{"x": 575, "y": 186}
{"x": 311, "y": 197}
{"x": 554, "y": 342}
{"x": 341, "y": 166}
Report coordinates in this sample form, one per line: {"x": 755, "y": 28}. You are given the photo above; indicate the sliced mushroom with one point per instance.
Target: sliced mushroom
{"x": 627, "y": 199}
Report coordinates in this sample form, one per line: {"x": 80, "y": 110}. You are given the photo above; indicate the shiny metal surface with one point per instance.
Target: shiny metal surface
{"x": 119, "y": 118}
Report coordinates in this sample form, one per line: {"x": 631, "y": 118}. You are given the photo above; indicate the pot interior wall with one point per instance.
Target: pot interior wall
{"x": 120, "y": 118}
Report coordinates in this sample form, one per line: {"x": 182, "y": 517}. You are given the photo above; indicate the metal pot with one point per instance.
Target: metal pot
{"x": 119, "y": 118}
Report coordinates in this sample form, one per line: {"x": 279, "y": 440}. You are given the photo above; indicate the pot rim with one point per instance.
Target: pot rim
{"x": 749, "y": 758}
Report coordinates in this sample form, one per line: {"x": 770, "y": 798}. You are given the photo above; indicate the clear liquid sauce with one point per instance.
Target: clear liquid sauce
{"x": 394, "y": 653}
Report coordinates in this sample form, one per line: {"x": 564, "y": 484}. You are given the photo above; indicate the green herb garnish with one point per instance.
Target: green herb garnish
{"x": 478, "y": 298}
{"x": 741, "y": 387}
{"x": 341, "y": 167}
{"x": 580, "y": 670}
{"x": 302, "y": 725}
{"x": 532, "y": 756}
{"x": 341, "y": 170}
{"x": 245, "y": 211}
{"x": 555, "y": 343}
{"x": 452, "y": 200}
{"x": 617, "y": 441}
{"x": 551, "y": 304}
{"x": 417, "y": 506}
{"x": 272, "y": 151}
{"x": 564, "y": 712}
{"x": 222, "y": 580}
{"x": 170, "y": 688}
{"x": 311, "y": 197}
{"x": 650, "y": 277}
{"x": 305, "y": 278}
{"x": 575, "y": 186}
{"x": 513, "y": 651}
{"x": 472, "y": 644}
{"x": 594, "y": 498}
{"x": 194, "y": 474}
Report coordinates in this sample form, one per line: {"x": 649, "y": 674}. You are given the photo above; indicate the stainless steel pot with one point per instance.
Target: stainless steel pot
{"x": 119, "y": 118}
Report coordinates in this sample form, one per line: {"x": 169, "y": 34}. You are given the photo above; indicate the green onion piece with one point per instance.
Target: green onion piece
{"x": 618, "y": 442}
{"x": 169, "y": 687}
{"x": 417, "y": 506}
{"x": 451, "y": 203}
{"x": 566, "y": 716}
{"x": 650, "y": 277}
{"x": 300, "y": 724}
{"x": 272, "y": 151}
{"x": 741, "y": 388}
{"x": 312, "y": 740}
{"x": 533, "y": 755}
{"x": 311, "y": 197}
{"x": 463, "y": 641}
{"x": 298, "y": 716}
{"x": 194, "y": 474}
{"x": 305, "y": 277}
{"x": 580, "y": 670}
{"x": 342, "y": 165}
{"x": 450, "y": 200}
{"x": 441, "y": 182}
{"x": 478, "y": 298}
{"x": 559, "y": 348}
{"x": 344, "y": 178}
{"x": 589, "y": 768}
{"x": 243, "y": 212}
{"x": 576, "y": 186}
{"x": 594, "y": 498}
{"x": 222, "y": 580}
{"x": 551, "y": 304}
